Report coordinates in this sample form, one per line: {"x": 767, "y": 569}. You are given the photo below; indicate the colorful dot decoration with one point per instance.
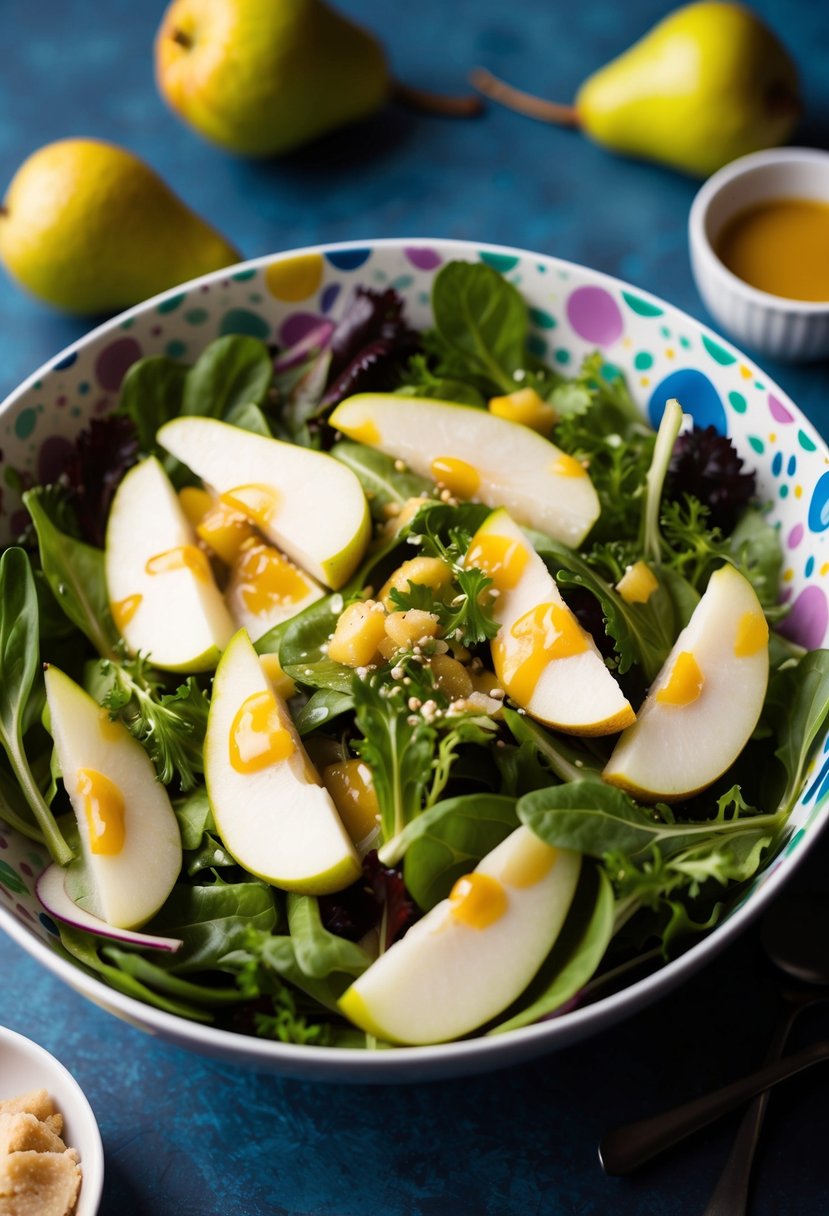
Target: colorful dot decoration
{"x": 572, "y": 310}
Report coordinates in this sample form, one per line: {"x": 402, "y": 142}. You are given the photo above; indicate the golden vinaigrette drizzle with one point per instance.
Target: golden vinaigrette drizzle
{"x": 568, "y": 466}
{"x": 780, "y": 246}
{"x": 459, "y": 477}
{"x": 124, "y": 610}
{"x": 258, "y": 502}
{"x": 103, "y": 805}
{"x": 267, "y": 580}
{"x": 501, "y": 557}
{"x": 183, "y": 557}
{"x": 752, "y": 634}
{"x": 542, "y": 635}
{"x": 684, "y": 683}
{"x": 258, "y": 737}
{"x": 478, "y": 900}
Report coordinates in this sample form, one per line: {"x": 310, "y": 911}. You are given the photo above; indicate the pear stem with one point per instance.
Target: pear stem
{"x": 424, "y": 102}
{"x": 4, "y": 211}
{"x": 523, "y": 103}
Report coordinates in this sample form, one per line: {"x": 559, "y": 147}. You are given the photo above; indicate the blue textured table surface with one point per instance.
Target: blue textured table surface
{"x": 183, "y": 1135}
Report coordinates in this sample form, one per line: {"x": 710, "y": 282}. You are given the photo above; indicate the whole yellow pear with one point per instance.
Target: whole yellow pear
{"x": 91, "y": 228}
{"x": 262, "y": 77}
{"x": 707, "y": 84}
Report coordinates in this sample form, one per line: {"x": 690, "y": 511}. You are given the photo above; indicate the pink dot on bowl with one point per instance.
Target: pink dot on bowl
{"x": 423, "y": 259}
{"x": 595, "y": 315}
{"x": 795, "y": 536}
{"x": 114, "y": 360}
{"x": 295, "y": 327}
{"x": 778, "y": 410}
{"x": 807, "y": 621}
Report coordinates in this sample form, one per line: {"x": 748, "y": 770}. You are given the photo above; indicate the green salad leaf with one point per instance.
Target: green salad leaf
{"x": 19, "y": 654}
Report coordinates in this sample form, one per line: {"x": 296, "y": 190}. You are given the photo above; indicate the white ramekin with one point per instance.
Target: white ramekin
{"x": 771, "y": 325}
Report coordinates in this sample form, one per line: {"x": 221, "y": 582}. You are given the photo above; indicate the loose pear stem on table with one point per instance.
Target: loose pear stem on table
{"x": 467, "y": 106}
{"x": 523, "y": 103}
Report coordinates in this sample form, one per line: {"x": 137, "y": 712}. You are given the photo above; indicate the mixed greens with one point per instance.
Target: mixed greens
{"x": 454, "y": 766}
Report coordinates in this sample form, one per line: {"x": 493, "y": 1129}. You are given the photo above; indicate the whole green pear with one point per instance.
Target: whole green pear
{"x": 262, "y": 77}
{"x": 709, "y": 83}
{"x": 91, "y": 228}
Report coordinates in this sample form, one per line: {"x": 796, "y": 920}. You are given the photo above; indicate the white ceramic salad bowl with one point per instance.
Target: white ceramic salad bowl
{"x": 574, "y": 310}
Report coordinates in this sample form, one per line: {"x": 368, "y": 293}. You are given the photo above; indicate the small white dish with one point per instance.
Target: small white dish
{"x": 25, "y": 1066}
{"x": 795, "y": 330}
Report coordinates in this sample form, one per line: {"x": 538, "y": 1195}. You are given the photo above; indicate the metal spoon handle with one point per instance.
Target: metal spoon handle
{"x": 730, "y": 1195}
{"x": 626, "y": 1148}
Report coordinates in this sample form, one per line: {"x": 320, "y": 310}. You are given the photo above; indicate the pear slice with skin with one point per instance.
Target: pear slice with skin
{"x": 473, "y": 953}
{"x": 706, "y": 700}
{"x": 129, "y": 834}
{"x": 542, "y": 657}
{"x": 265, "y": 588}
{"x": 164, "y": 600}
{"x": 480, "y": 456}
{"x": 308, "y": 504}
{"x": 271, "y": 811}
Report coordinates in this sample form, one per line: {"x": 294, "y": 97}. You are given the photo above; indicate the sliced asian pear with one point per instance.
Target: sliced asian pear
{"x": 475, "y": 454}
{"x": 473, "y": 953}
{"x": 164, "y": 599}
{"x": 542, "y": 657}
{"x": 308, "y": 504}
{"x": 705, "y": 702}
{"x": 129, "y": 834}
{"x": 266, "y": 588}
{"x": 271, "y": 811}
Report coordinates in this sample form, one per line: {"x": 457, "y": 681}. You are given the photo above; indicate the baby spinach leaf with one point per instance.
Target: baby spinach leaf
{"x": 83, "y": 947}
{"x": 597, "y": 819}
{"x": 249, "y": 417}
{"x": 318, "y": 953}
{"x": 642, "y": 633}
{"x": 267, "y": 957}
{"x": 19, "y": 664}
{"x": 758, "y": 553}
{"x": 155, "y": 977}
{"x": 194, "y": 818}
{"x": 75, "y": 573}
{"x": 574, "y": 958}
{"x": 321, "y": 707}
{"x": 212, "y": 921}
{"x": 385, "y": 485}
{"x": 15, "y": 811}
{"x": 233, "y": 371}
{"x": 151, "y": 394}
{"x": 302, "y": 643}
{"x": 481, "y": 323}
{"x": 797, "y": 705}
{"x": 449, "y": 839}
{"x": 569, "y": 758}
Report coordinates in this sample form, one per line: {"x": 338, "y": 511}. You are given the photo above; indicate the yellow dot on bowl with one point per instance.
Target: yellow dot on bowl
{"x": 788, "y": 575}
{"x": 644, "y": 381}
{"x": 772, "y": 436}
{"x": 824, "y": 570}
{"x": 798, "y": 491}
{"x": 627, "y": 342}
{"x": 669, "y": 353}
{"x": 296, "y": 278}
{"x": 745, "y": 372}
